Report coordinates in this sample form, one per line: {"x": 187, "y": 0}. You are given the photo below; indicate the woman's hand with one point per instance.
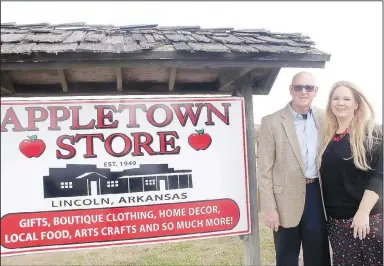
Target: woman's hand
{"x": 360, "y": 224}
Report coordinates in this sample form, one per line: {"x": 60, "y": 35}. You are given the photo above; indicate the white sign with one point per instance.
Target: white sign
{"x": 99, "y": 172}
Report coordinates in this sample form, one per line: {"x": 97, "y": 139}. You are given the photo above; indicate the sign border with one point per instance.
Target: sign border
{"x": 97, "y": 100}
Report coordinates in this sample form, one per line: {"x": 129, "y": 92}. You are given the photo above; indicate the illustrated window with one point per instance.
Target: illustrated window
{"x": 112, "y": 183}
{"x": 150, "y": 182}
{"x": 64, "y": 185}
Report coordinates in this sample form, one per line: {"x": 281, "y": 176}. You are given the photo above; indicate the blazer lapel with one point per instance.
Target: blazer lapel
{"x": 291, "y": 134}
{"x": 319, "y": 124}
{"x": 316, "y": 117}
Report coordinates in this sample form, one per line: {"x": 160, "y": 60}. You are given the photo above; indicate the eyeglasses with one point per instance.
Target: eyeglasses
{"x": 308, "y": 88}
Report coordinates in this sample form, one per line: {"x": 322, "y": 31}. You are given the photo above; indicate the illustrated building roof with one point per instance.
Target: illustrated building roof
{"x": 83, "y": 170}
{"x": 152, "y": 169}
{"x": 90, "y": 173}
{"x": 19, "y": 39}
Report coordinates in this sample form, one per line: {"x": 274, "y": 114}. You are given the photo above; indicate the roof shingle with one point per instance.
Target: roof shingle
{"x": 80, "y": 37}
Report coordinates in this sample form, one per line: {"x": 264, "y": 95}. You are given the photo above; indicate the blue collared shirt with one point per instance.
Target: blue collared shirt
{"x": 307, "y": 134}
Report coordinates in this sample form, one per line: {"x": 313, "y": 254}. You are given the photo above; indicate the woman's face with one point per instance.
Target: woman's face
{"x": 343, "y": 104}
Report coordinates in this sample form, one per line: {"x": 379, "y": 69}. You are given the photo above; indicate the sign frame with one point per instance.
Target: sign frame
{"x": 125, "y": 99}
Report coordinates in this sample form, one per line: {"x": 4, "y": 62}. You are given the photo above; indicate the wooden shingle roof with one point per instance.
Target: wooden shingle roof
{"x": 82, "y": 58}
{"x": 82, "y": 38}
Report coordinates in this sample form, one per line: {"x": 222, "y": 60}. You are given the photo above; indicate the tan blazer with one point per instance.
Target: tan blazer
{"x": 281, "y": 167}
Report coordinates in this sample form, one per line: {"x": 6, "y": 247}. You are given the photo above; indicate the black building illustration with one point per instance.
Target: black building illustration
{"x": 88, "y": 180}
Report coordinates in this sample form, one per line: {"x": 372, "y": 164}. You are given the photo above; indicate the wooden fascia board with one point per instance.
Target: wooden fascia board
{"x": 151, "y": 55}
{"x": 167, "y": 59}
{"x": 163, "y": 63}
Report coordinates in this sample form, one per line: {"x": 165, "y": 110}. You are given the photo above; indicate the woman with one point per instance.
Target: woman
{"x": 351, "y": 171}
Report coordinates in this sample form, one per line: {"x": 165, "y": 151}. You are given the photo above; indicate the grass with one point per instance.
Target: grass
{"x": 215, "y": 251}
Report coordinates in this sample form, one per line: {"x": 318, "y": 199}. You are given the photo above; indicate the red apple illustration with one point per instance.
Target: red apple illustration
{"x": 199, "y": 140}
{"x": 32, "y": 147}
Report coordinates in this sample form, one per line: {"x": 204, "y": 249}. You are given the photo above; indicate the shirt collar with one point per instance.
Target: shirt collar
{"x": 296, "y": 115}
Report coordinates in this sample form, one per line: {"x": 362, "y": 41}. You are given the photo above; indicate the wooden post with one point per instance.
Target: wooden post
{"x": 6, "y": 83}
{"x": 63, "y": 80}
{"x": 251, "y": 241}
{"x": 119, "y": 79}
{"x": 172, "y": 78}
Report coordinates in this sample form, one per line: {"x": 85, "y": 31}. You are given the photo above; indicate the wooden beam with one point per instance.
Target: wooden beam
{"x": 191, "y": 64}
{"x": 5, "y": 90}
{"x": 119, "y": 79}
{"x": 130, "y": 92}
{"x": 228, "y": 76}
{"x": 129, "y": 87}
{"x": 266, "y": 85}
{"x": 161, "y": 55}
{"x": 172, "y": 78}
{"x": 7, "y": 85}
{"x": 251, "y": 241}
{"x": 63, "y": 80}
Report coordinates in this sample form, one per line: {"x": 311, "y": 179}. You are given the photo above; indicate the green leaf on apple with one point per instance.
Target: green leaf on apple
{"x": 200, "y": 131}
{"x": 33, "y": 137}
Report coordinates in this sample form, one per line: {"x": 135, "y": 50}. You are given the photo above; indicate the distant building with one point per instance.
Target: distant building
{"x": 88, "y": 180}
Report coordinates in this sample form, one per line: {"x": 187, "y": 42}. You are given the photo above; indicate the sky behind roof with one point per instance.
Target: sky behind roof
{"x": 350, "y": 31}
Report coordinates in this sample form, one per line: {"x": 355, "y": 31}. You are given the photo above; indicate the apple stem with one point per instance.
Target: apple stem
{"x": 200, "y": 131}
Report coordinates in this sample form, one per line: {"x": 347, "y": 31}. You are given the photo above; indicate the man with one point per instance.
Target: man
{"x": 288, "y": 177}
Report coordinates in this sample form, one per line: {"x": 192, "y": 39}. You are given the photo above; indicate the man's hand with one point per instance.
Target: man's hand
{"x": 271, "y": 219}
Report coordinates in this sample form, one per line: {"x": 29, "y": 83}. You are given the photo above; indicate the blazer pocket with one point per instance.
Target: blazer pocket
{"x": 278, "y": 189}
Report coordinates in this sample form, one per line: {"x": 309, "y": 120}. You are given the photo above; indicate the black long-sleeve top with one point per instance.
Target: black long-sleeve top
{"x": 344, "y": 184}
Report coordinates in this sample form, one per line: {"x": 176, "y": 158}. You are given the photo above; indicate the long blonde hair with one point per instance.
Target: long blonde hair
{"x": 362, "y": 130}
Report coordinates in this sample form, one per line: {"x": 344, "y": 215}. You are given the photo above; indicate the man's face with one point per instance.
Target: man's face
{"x": 303, "y": 89}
